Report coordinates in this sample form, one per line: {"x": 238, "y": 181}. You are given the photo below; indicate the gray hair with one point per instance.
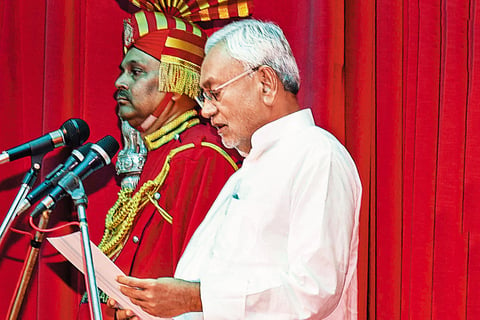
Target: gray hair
{"x": 255, "y": 43}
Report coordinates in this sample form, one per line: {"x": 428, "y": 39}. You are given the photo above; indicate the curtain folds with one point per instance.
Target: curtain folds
{"x": 398, "y": 82}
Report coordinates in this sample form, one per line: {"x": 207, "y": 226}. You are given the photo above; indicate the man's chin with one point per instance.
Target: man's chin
{"x": 228, "y": 144}
{"x": 232, "y": 145}
{"x": 125, "y": 111}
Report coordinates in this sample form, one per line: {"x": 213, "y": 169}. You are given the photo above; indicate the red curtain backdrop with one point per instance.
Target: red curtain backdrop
{"x": 397, "y": 81}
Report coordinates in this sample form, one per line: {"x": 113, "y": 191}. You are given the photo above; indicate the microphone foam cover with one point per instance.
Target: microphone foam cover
{"x": 76, "y": 132}
{"x": 109, "y": 145}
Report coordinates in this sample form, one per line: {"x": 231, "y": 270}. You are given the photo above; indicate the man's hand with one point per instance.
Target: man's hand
{"x": 162, "y": 297}
{"x": 119, "y": 313}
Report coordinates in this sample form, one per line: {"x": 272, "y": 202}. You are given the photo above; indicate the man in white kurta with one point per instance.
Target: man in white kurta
{"x": 281, "y": 240}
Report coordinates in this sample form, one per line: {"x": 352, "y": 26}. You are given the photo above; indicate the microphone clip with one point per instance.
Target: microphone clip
{"x": 72, "y": 184}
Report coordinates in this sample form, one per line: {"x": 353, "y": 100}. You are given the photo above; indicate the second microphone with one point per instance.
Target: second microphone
{"x": 100, "y": 155}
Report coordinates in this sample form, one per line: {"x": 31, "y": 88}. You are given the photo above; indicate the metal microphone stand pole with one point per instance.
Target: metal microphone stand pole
{"x": 72, "y": 184}
{"x": 28, "y": 266}
{"x": 27, "y": 183}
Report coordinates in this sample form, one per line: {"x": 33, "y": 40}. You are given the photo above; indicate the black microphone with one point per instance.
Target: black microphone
{"x": 100, "y": 154}
{"x": 73, "y": 132}
{"x": 53, "y": 177}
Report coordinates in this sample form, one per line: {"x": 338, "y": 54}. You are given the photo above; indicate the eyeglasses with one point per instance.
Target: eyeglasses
{"x": 213, "y": 94}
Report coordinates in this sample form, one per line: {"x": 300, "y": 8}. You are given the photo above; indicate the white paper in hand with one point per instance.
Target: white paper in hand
{"x": 70, "y": 246}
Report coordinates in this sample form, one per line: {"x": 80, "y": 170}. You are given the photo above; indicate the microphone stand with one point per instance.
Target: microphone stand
{"x": 72, "y": 184}
{"x": 28, "y": 267}
{"x": 27, "y": 183}
{"x": 32, "y": 256}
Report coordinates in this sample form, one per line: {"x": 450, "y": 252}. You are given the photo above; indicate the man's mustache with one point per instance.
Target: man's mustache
{"x": 122, "y": 94}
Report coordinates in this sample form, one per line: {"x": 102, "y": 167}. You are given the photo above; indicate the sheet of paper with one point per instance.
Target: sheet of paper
{"x": 70, "y": 246}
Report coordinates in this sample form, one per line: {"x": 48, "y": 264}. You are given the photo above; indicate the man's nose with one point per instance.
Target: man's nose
{"x": 209, "y": 109}
{"x": 121, "y": 82}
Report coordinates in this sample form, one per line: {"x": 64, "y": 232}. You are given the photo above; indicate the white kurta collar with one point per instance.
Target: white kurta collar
{"x": 267, "y": 135}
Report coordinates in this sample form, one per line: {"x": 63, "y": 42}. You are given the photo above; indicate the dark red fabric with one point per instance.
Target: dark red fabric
{"x": 471, "y": 205}
{"x": 397, "y": 82}
{"x": 388, "y": 96}
{"x": 471, "y": 222}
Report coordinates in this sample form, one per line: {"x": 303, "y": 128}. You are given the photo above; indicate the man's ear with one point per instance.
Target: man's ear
{"x": 270, "y": 84}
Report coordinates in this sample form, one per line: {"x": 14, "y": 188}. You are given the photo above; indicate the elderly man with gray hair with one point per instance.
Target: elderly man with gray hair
{"x": 281, "y": 239}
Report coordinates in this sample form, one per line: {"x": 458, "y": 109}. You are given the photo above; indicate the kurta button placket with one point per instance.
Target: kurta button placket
{"x": 135, "y": 239}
